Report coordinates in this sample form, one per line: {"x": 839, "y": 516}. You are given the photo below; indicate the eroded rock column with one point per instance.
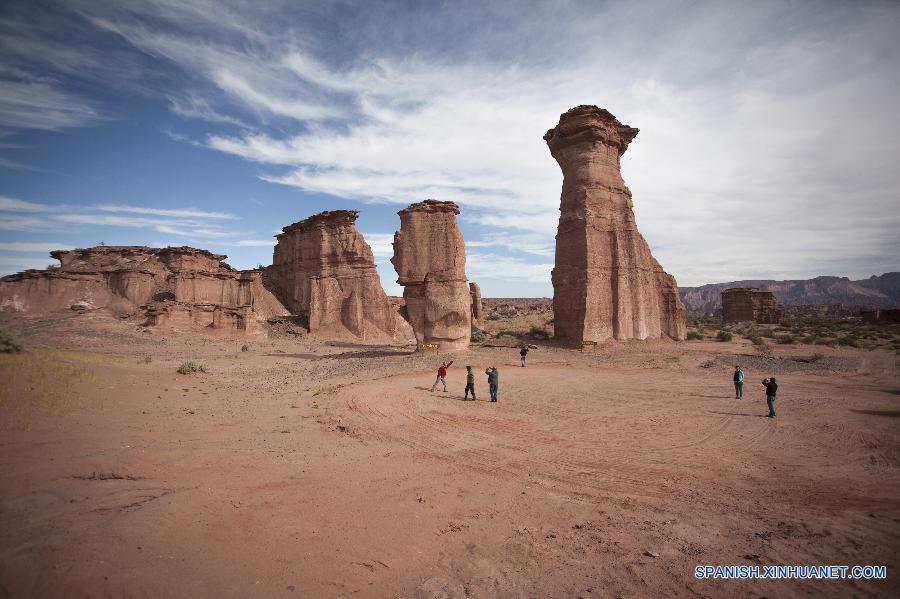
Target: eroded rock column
{"x": 322, "y": 268}
{"x": 606, "y": 283}
{"x": 430, "y": 260}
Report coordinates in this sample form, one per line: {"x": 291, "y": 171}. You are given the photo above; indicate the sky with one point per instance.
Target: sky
{"x": 768, "y": 144}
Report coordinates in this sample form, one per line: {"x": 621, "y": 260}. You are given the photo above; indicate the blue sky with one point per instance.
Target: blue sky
{"x": 768, "y": 144}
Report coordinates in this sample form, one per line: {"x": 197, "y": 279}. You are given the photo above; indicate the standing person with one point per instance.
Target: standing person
{"x": 493, "y": 381}
{"x": 771, "y": 389}
{"x": 738, "y": 382}
{"x": 470, "y": 384}
{"x": 442, "y": 372}
{"x": 523, "y": 352}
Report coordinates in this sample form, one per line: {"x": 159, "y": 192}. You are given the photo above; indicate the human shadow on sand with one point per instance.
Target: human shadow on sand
{"x": 298, "y": 356}
{"x": 739, "y": 414}
{"x": 888, "y": 413}
{"x": 440, "y": 393}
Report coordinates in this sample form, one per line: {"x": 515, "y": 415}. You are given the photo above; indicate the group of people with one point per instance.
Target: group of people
{"x": 770, "y": 384}
{"x": 493, "y": 378}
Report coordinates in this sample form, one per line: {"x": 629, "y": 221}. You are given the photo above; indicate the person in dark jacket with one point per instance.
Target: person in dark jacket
{"x": 738, "y": 382}
{"x": 493, "y": 382}
{"x": 470, "y": 383}
{"x": 523, "y": 352}
{"x": 771, "y": 389}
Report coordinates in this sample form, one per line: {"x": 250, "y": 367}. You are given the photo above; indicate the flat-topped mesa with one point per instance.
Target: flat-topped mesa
{"x": 134, "y": 257}
{"x": 177, "y": 287}
{"x": 606, "y": 283}
{"x": 430, "y": 260}
{"x": 749, "y": 304}
{"x": 323, "y": 269}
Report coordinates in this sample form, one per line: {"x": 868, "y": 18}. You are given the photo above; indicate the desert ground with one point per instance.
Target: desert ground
{"x": 299, "y": 468}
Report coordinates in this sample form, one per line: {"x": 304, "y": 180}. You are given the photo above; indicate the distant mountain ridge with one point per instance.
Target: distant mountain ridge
{"x": 875, "y": 292}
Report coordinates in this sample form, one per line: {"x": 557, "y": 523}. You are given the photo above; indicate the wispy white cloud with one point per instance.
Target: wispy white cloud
{"x": 245, "y": 243}
{"x": 15, "y": 205}
{"x": 186, "y": 213}
{"x": 382, "y": 244}
{"x": 42, "y": 247}
{"x": 42, "y": 105}
{"x": 494, "y": 267}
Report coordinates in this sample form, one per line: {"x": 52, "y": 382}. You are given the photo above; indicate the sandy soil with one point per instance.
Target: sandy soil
{"x": 302, "y": 469}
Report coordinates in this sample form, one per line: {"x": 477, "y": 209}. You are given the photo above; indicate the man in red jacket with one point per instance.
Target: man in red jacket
{"x": 442, "y": 372}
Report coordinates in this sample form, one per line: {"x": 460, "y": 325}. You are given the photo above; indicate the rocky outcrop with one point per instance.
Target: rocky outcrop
{"x": 477, "y": 305}
{"x": 175, "y": 287}
{"x": 742, "y": 304}
{"x": 875, "y": 292}
{"x": 323, "y": 269}
{"x": 606, "y": 283}
{"x": 430, "y": 260}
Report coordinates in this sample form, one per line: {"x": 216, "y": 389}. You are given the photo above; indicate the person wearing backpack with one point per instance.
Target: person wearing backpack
{"x": 771, "y": 389}
{"x": 738, "y": 382}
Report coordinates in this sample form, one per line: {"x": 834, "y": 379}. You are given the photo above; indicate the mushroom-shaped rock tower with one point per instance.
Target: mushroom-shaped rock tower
{"x": 606, "y": 283}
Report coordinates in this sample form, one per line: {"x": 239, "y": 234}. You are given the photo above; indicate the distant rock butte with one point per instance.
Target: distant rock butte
{"x": 750, "y": 305}
{"x": 606, "y": 283}
{"x": 323, "y": 269}
{"x": 430, "y": 260}
{"x": 176, "y": 287}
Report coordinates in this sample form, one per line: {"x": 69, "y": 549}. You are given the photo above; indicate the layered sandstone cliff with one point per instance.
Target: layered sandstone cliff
{"x": 606, "y": 283}
{"x": 743, "y": 304}
{"x": 323, "y": 269}
{"x": 175, "y": 287}
{"x": 430, "y": 260}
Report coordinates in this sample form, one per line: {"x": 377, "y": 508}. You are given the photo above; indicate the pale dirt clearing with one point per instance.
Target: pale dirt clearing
{"x": 309, "y": 470}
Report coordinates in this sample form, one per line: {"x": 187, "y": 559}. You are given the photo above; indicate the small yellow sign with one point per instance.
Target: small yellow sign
{"x": 429, "y": 346}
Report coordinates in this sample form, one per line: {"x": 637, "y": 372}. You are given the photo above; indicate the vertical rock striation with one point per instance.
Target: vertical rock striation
{"x": 323, "y": 269}
{"x": 430, "y": 260}
{"x": 606, "y": 283}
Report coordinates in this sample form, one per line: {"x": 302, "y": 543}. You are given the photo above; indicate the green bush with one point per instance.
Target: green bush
{"x": 757, "y": 340}
{"x": 245, "y": 347}
{"x": 478, "y": 336}
{"x": 492, "y": 317}
{"x": 724, "y": 336}
{"x": 538, "y": 333}
{"x": 848, "y": 341}
{"x": 191, "y": 366}
{"x": 508, "y": 333}
{"x": 785, "y": 339}
{"x": 694, "y": 336}
{"x": 9, "y": 344}
{"x": 816, "y": 358}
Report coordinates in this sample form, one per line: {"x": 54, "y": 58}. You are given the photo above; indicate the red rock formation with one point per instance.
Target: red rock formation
{"x": 606, "y": 283}
{"x": 744, "y": 304}
{"x": 477, "y": 306}
{"x": 323, "y": 269}
{"x": 430, "y": 260}
{"x": 178, "y": 287}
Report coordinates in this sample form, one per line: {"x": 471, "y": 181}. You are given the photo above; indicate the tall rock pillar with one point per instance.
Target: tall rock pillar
{"x": 430, "y": 260}
{"x": 606, "y": 283}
